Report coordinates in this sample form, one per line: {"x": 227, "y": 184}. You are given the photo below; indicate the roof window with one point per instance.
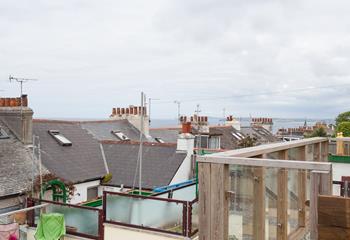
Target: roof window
{"x": 236, "y": 136}
{"x": 3, "y": 134}
{"x": 62, "y": 140}
{"x": 120, "y": 135}
{"x": 160, "y": 140}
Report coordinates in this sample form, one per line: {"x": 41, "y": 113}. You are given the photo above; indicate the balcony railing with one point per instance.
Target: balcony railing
{"x": 172, "y": 216}
{"x": 82, "y": 221}
{"x": 264, "y": 192}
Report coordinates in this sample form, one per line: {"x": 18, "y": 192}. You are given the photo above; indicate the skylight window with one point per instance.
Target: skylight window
{"x": 236, "y": 136}
{"x": 120, "y": 135}
{"x": 3, "y": 134}
{"x": 62, "y": 140}
{"x": 158, "y": 139}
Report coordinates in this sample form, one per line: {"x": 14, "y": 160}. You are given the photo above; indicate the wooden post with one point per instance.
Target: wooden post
{"x": 317, "y": 152}
{"x": 259, "y": 203}
{"x": 301, "y": 189}
{"x": 282, "y": 199}
{"x": 204, "y": 200}
{"x": 313, "y": 206}
{"x": 326, "y": 180}
{"x": 213, "y": 201}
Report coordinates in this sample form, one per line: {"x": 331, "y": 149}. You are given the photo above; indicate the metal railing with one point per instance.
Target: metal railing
{"x": 232, "y": 190}
{"x": 157, "y": 214}
{"x": 81, "y": 221}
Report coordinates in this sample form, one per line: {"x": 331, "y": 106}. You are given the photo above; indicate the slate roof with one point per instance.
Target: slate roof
{"x": 168, "y": 135}
{"x": 15, "y": 165}
{"x": 160, "y": 163}
{"x": 261, "y": 134}
{"x": 102, "y": 129}
{"x": 77, "y": 163}
{"x": 227, "y": 140}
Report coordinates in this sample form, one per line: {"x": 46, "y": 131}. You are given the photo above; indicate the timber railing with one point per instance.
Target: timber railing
{"x": 264, "y": 192}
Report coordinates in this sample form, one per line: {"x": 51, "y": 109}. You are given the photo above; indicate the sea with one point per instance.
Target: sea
{"x": 245, "y": 121}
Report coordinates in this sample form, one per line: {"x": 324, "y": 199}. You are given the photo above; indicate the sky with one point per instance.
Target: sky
{"x": 266, "y": 58}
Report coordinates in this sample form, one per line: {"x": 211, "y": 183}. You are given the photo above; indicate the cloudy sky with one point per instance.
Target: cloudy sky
{"x": 265, "y": 58}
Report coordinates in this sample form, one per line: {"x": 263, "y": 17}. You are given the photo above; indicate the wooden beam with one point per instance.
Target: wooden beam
{"x": 259, "y": 203}
{"x": 314, "y": 205}
{"x": 268, "y": 148}
{"x": 282, "y": 200}
{"x": 219, "y": 202}
{"x": 326, "y": 180}
{"x": 301, "y": 189}
{"x": 263, "y": 162}
{"x": 204, "y": 187}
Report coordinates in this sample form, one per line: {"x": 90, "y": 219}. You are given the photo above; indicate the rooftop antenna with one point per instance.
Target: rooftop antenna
{"x": 21, "y": 81}
{"x": 178, "y": 110}
{"x": 149, "y": 108}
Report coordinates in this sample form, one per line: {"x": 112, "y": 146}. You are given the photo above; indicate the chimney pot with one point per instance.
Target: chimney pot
{"x": 127, "y": 111}
{"x": 135, "y": 110}
{"x": 2, "y": 102}
{"x": 25, "y": 100}
{"x": 114, "y": 111}
{"x": 131, "y": 110}
{"x": 122, "y": 111}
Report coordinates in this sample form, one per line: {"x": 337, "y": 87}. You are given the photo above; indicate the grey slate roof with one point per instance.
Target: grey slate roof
{"x": 160, "y": 163}
{"x": 227, "y": 140}
{"x": 168, "y": 135}
{"x": 15, "y": 165}
{"x": 262, "y": 135}
{"x": 102, "y": 129}
{"x": 77, "y": 163}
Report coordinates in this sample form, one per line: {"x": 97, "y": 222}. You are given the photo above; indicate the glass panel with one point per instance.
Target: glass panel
{"x": 271, "y": 202}
{"x": 292, "y": 200}
{"x": 241, "y": 205}
{"x": 195, "y": 218}
{"x": 145, "y": 212}
{"x": 77, "y": 219}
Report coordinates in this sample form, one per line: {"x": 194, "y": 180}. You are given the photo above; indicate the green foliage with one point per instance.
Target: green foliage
{"x": 247, "y": 142}
{"x": 318, "y": 132}
{"x": 342, "y": 117}
{"x": 344, "y": 127}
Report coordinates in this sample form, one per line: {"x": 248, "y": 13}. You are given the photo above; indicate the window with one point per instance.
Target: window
{"x": 62, "y": 140}
{"x": 3, "y": 134}
{"x": 92, "y": 193}
{"x": 214, "y": 142}
{"x": 120, "y": 135}
{"x": 204, "y": 141}
{"x": 235, "y": 135}
{"x": 159, "y": 140}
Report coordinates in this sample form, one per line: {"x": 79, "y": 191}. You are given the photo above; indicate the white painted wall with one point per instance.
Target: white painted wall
{"x": 31, "y": 233}
{"x": 113, "y": 232}
{"x": 184, "y": 171}
{"x": 80, "y": 193}
{"x": 339, "y": 170}
{"x": 107, "y": 189}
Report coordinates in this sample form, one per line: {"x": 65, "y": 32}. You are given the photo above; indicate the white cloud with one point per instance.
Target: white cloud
{"x": 91, "y": 56}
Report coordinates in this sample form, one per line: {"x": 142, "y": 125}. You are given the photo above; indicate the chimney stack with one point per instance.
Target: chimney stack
{"x": 18, "y": 119}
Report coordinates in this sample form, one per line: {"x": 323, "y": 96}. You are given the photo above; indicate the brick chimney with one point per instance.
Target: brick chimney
{"x": 185, "y": 140}
{"x": 231, "y": 121}
{"x": 133, "y": 115}
{"x": 265, "y": 123}
{"x": 18, "y": 119}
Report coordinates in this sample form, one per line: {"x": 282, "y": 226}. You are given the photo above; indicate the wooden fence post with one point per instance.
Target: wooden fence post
{"x": 282, "y": 199}
{"x": 302, "y": 189}
{"x": 259, "y": 203}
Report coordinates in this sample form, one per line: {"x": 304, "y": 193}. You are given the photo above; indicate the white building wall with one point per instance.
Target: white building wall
{"x": 184, "y": 171}
{"x": 113, "y": 232}
{"x": 339, "y": 170}
{"x": 80, "y": 193}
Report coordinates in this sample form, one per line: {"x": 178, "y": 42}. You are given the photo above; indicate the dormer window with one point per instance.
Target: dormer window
{"x": 60, "y": 138}
{"x": 159, "y": 140}
{"x": 3, "y": 134}
{"x": 120, "y": 135}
